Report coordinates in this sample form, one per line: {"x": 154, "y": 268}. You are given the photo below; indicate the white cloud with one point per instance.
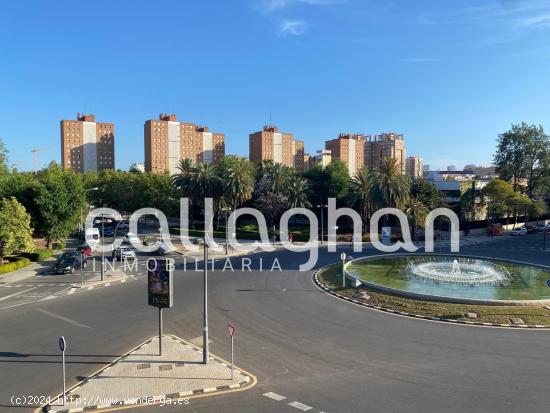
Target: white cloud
{"x": 269, "y": 6}
{"x": 292, "y": 27}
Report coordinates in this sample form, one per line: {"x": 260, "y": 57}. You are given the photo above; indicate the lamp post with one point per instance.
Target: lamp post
{"x": 343, "y": 258}
{"x": 321, "y": 206}
{"x": 205, "y": 353}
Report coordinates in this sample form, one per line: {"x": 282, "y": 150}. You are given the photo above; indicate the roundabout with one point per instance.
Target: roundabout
{"x": 454, "y": 278}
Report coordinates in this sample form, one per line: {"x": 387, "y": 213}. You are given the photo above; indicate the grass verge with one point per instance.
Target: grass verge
{"x": 331, "y": 277}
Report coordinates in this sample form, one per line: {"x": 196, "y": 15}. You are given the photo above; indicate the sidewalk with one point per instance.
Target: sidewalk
{"x": 142, "y": 377}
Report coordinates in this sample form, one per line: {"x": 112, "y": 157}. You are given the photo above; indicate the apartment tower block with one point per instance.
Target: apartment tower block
{"x": 167, "y": 141}
{"x": 271, "y": 144}
{"x": 348, "y": 148}
{"x": 87, "y": 145}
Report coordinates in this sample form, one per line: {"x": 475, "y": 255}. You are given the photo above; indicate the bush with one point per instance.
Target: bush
{"x": 39, "y": 255}
{"x": 15, "y": 264}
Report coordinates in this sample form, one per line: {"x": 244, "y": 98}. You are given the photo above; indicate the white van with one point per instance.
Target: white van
{"x": 92, "y": 237}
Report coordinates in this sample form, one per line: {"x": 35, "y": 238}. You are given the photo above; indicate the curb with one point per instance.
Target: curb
{"x": 419, "y": 316}
{"x": 249, "y": 381}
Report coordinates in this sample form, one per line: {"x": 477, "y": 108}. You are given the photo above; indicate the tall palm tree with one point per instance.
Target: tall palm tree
{"x": 279, "y": 176}
{"x": 359, "y": 194}
{"x": 417, "y": 212}
{"x": 297, "y": 191}
{"x": 183, "y": 179}
{"x": 388, "y": 187}
{"x": 238, "y": 185}
{"x": 206, "y": 183}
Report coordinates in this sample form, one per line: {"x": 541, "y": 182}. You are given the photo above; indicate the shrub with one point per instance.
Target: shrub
{"x": 15, "y": 264}
{"x": 39, "y": 255}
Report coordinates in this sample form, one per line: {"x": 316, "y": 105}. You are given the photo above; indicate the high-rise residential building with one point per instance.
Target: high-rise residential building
{"x": 321, "y": 158}
{"x": 348, "y": 148}
{"x": 167, "y": 141}
{"x": 414, "y": 167}
{"x": 87, "y": 145}
{"x": 385, "y": 145}
{"x": 270, "y": 144}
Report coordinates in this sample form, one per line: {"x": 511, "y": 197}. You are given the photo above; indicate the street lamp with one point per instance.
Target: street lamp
{"x": 205, "y": 353}
{"x": 343, "y": 258}
{"x": 321, "y": 206}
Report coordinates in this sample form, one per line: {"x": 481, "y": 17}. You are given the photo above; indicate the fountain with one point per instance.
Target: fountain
{"x": 455, "y": 278}
{"x": 465, "y": 271}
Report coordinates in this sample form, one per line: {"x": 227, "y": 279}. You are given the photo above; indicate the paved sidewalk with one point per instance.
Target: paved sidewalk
{"x": 142, "y": 377}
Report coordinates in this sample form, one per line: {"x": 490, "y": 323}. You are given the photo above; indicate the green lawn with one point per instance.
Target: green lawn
{"x": 331, "y": 277}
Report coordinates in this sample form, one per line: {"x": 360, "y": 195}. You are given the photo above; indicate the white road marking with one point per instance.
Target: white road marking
{"x": 71, "y": 291}
{"x": 107, "y": 285}
{"x": 274, "y": 396}
{"x": 90, "y": 287}
{"x": 300, "y": 406}
{"x": 60, "y": 317}
{"x": 17, "y": 293}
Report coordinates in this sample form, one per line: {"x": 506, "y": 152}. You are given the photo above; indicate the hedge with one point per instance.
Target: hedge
{"x": 16, "y": 264}
{"x": 39, "y": 255}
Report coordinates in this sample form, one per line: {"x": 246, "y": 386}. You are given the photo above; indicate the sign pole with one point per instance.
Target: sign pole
{"x": 160, "y": 331}
{"x": 62, "y": 348}
{"x": 232, "y": 364}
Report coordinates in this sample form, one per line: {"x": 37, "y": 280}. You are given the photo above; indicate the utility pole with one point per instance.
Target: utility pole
{"x": 102, "y": 249}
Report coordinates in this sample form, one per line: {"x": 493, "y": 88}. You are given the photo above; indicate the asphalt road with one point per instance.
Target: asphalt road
{"x": 301, "y": 343}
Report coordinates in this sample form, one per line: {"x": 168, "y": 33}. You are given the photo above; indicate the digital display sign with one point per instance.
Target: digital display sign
{"x": 159, "y": 283}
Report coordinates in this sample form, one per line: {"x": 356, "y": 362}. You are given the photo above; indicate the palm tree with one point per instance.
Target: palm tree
{"x": 388, "y": 187}
{"x": 417, "y": 212}
{"x": 359, "y": 195}
{"x": 279, "y": 176}
{"x": 206, "y": 183}
{"x": 238, "y": 185}
{"x": 183, "y": 179}
{"x": 297, "y": 191}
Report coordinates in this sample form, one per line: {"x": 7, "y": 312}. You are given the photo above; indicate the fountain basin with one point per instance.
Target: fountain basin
{"x": 452, "y": 278}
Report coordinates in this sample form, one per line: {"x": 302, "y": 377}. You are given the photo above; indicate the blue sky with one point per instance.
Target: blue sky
{"x": 449, "y": 75}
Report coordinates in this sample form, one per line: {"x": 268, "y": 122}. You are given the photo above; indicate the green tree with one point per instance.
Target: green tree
{"x": 523, "y": 154}
{"x": 59, "y": 199}
{"x": 237, "y": 175}
{"x": 426, "y": 192}
{"x": 496, "y": 195}
{"x": 358, "y": 195}
{"x": 15, "y": 228}
{"x": 388, "y": 186}
{"x": 338, "y": 179}
{"x": 417, "y": 212}
{"x": 297, "y": 191}
{"x": 318, "y": 180}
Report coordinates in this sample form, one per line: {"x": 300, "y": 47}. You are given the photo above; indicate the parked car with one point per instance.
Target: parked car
{"x": 531, "y": 229}
{"x": 67, "y": 254}
{"x": 85, "y": 249}
{"x": 542, "y": 227}
{"x": 123, "y": 253}
{"x": 131, "y": 238}
{"x": 70, "y": 264}
{"x": 519, "y": 231}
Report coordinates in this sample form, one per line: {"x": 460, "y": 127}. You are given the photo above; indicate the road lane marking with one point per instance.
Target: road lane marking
{"x": 60, "y": 317}
{"x": 300, "y": 406}
{"x": 71, "y": 291}
{"x": 90, "y": 287}
{"x": 274, "y": 396}
{"x": 17, "y": 293}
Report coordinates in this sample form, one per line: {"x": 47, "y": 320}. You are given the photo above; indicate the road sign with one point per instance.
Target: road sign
{"x": 232, "y": 330}
{"x": 548, "y": 283}
{"x": 62, "y": 343}
{"x": 159, "y": 283}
